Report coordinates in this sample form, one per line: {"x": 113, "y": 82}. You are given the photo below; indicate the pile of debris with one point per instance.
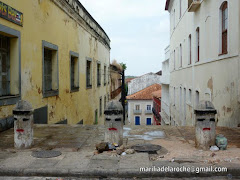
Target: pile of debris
{"x": 120, "y": 150}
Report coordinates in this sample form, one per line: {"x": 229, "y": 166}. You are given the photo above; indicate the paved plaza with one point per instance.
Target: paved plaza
{"x": 79, "y": 159}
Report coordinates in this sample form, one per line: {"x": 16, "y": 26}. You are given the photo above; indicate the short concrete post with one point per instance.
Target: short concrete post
{"x": 114, "y": 123}
{"x": 205, "y": 129}
{"x": 23, "y": 125}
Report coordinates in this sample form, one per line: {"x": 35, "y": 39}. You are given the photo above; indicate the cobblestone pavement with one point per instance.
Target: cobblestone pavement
{"x": 80, "y": 160}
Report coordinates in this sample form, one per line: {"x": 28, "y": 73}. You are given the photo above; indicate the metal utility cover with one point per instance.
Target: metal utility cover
{"x": 150, "y": 148}
{"x": 46, "y": 154}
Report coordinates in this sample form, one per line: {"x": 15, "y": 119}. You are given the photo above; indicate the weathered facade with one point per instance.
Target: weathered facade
{"x": 142, "y": 82}
{"x": 140, "y": 106}
{"x": 50, "y": 54}
{"x": 204, "y": 59}
{"x": 116, "y": 82}
{"x": 165, "y": 98}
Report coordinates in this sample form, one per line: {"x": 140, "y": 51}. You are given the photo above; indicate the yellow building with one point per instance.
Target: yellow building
{"x": 56, "y": 56}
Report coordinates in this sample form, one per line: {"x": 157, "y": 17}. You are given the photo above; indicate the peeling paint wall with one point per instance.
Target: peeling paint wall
{"x": 215, "y": 77}
{"x": 58, "y": 23}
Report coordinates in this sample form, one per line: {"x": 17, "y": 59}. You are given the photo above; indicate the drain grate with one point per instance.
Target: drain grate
{"x": 46, "y": 154}
{"x": 148, "y": 148}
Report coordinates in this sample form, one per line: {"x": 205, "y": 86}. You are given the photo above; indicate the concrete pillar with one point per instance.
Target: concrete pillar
{"x": 114, "y": 123}
{"x": 205, "y": 129}
{"x": 23, "y": 125}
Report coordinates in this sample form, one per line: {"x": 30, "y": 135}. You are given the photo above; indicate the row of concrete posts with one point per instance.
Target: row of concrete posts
{"x": 205, "y": 129}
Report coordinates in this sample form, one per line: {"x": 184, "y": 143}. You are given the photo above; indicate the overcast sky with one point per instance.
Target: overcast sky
{"x": 138, "y": 29}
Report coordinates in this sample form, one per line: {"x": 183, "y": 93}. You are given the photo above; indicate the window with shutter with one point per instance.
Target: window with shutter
{"x": 88, "y": 73}
{"x": 190, "y": 49}
{"x": 48, "y": 69}
{"x": 100, "y": 106}
{"x": 4, "y": 66}
{"x": 224, "y": 11}
{"x": 105, "y": 75}
{"x": 198, "y": 44}
{"x": 74, "y": 71}
{"x": 98, "y": 74}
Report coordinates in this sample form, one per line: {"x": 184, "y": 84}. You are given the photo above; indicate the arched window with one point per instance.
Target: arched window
{"x": 224, "y": 27}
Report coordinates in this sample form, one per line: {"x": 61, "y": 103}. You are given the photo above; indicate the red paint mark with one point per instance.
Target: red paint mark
{"x": 112, "y": 129}
{"x": 206, "y": 129}
{"x": 20, "y": 130}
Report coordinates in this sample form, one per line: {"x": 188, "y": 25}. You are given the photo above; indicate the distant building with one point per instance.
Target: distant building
{"x": 157, "y": 107}
{"x": 140, "y": 106}
{"x": 142, "y": 82}
{"x": 116, "y": 82}
{"x": 165, "y": 99}
{"x": 204, "y": 59}
{"x": 128, "y": 80}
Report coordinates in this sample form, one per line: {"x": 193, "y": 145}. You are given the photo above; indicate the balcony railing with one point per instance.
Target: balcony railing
{"x": 137, "y": 111}
{"x": 193, "y": 5}
{"x": 148, "y": 111}
{"x": 156, "y": 114}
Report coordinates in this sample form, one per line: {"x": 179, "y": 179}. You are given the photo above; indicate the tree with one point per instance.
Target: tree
{"x": 124, "y": 66}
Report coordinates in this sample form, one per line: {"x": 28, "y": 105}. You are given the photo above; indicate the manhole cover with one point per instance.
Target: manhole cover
{"x": 150, "y": 148}
{"x": 46, "y": 154}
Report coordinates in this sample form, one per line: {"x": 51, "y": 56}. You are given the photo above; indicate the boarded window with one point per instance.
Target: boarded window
{"x": 224, "y": 11}
{"x": 4, "y": 66}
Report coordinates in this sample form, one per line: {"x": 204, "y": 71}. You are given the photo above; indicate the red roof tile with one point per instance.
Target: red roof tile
{"x": 145, "y": 94}
{"x": 157, "y": 94}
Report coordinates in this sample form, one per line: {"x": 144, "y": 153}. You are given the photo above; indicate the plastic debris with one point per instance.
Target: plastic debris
{"x": 214, "y": 148}
{"x": 123, "y": 154}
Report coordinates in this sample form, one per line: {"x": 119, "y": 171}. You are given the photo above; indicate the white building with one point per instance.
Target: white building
{"x": 204, "y": 59}
{"x": 142, "y": 82}
{"x": 165, "y": 80}
{"x": 140, "y": 106}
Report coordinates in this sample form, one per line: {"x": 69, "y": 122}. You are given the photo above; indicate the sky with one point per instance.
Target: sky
{"x": 138, "y": 30}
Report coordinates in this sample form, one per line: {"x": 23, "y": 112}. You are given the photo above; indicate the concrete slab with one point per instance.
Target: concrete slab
{"x": 21, "y": 160}
{"x": 74, "y": 160}
{"x": 43, "y": 163}
{"x": 134, "y": 161}
{"x": 100, "y": 164}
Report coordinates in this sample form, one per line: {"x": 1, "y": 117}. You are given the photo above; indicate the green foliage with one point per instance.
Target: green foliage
{"x": 124, "y": 66}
